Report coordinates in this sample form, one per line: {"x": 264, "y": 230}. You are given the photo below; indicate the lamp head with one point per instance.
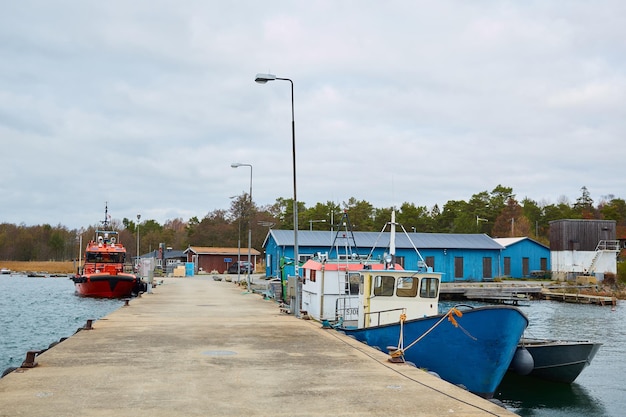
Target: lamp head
{"x": 235, "y": 165}
{"x": 263, "y": 78}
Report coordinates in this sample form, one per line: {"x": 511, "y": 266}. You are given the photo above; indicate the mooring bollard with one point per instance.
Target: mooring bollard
{"x": 29, "y": 362}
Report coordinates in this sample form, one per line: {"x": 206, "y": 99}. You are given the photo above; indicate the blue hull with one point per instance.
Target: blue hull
{"x": 478, "y": 361}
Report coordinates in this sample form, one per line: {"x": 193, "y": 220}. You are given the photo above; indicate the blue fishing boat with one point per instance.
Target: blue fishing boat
{"x": 396, "y": 310}
{"x": 473, "y": 350}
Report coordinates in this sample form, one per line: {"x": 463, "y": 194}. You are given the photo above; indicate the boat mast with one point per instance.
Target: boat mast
{"x": 392, "y": 241}
{"x": 105, "y": 222}
{"x": 349, "y": 234}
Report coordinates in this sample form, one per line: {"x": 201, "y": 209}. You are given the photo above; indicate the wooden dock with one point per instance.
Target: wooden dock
{"x": 514, "y": 293}
{"x": 577, "y": 298}
{"x": 510, "y": 298}
{"x": 495, "y": 293}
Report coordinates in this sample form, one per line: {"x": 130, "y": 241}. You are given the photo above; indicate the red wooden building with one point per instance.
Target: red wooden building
{"x": 218, "y": 259}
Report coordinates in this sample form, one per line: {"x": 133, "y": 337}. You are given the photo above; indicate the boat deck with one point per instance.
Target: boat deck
{"x": 199, "y": 347}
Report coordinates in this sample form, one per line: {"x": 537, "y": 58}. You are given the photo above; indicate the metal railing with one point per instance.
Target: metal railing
{"x": 610, "y": 245}
{"x": 378, "y": 313}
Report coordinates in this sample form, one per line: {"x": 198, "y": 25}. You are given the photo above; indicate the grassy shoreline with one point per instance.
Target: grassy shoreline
{"x": 65, "y": 267}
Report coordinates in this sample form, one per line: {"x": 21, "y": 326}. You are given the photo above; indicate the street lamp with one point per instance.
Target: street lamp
{"x": 262, "y": 79}
{"x": 79, "y": 236}
{"x": 237, "y": 165}
{"x": 238, "y": 243}
{"x": 315, "y": 221}
{"x": 138, "y": 217}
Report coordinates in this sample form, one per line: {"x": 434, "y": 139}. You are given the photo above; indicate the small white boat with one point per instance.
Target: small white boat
{"x": 5, "y": 271}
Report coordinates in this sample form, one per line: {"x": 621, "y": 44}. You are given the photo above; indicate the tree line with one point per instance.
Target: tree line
{"x": 497, "y": 213}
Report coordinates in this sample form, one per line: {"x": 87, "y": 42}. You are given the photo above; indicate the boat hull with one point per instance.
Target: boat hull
{"x": 106, "y": 285}
{"x": 476, "y": 354}
{"x": 559, "y": 360}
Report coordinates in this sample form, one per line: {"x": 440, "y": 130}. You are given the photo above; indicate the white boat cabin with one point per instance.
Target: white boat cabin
{"x": 367, "y": 295}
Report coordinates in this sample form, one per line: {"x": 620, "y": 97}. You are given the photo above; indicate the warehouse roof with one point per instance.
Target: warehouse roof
{"x": 381, "y": 239}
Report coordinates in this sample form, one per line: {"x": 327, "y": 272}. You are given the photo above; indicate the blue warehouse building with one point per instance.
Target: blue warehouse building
{"x": 524, "y": 257}
{"x": 460, "y": 257}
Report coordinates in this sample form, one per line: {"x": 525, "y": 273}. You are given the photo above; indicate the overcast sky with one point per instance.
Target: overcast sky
{"x": 145, "y": 104}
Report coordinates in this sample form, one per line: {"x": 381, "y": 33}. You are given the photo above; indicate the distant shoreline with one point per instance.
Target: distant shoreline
{"x": 55, "y": 267}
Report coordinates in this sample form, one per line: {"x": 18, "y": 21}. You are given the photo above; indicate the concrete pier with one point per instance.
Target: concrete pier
{"x": 200, "y": 347}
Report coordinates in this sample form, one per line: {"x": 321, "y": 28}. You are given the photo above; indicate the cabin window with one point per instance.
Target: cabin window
{"x": 352, "y": 283}
{"x": 383, "y": 286}
{"x": 407, "y": 287}
{"x": 312, "y": 275}
{"x": 429, "y": 288}
{"x": 99, "y": 257}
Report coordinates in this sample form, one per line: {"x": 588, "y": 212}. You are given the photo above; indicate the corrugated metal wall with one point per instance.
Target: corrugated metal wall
{"x": 580, "y": 235}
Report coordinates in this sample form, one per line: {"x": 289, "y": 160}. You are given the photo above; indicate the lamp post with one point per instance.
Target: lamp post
{"x": 314, "y": 221}
{"x": 237, "y": 165}
{"x": 262, "y": 79}
{"x": 80, "y": 248}
{"x": 138, "y": 217}
{"x": 238, "y": 243}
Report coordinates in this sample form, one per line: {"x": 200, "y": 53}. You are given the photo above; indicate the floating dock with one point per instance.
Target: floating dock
{"x": 200, "y": 347}
{"x": 569, "y": 297}
{"x": 514, "y": 293}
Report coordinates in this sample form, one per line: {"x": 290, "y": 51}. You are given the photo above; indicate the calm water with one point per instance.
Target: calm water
{"x": 599, "y": 390}
{"x": 35, "y": 312}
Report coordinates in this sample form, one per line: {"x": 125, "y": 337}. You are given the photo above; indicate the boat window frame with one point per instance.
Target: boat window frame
{"x": 427, "y": 289}
{"x": 105, "y": 257}
{"x": 407, "y": 286}
{"x": 352, "y": 283}
{"x": 383, "y": 285}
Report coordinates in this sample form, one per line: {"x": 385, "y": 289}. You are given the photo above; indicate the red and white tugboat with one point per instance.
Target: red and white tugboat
{"x": 103, "y": 271}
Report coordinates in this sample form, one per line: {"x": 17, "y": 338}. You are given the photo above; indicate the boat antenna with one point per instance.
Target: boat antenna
{"x": 392, "y": 239}
{"x": 105, "y": 222}
{"x": 345, "y": 221}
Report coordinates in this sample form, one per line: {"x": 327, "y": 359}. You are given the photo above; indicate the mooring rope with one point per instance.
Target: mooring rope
{"x": 449, "y": 315}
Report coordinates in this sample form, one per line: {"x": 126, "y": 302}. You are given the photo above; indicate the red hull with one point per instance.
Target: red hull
{"x": 105, "y": 285}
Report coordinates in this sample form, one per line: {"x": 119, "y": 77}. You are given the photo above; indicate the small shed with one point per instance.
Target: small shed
{"x": 583, "y": 247}
{"x": 217, "y": 258}
{"x": 580, "y": 234}
{"x": 523, "y": 257}
{"x": 167, "y": 257}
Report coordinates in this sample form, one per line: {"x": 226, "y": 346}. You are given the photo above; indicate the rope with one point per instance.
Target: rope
{"x": 449, "y": 315}
{"x": 399, "y": 352}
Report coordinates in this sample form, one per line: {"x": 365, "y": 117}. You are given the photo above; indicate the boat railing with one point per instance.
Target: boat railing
{"x": 347, "y": 308}
{"x": 377, "y": 315}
